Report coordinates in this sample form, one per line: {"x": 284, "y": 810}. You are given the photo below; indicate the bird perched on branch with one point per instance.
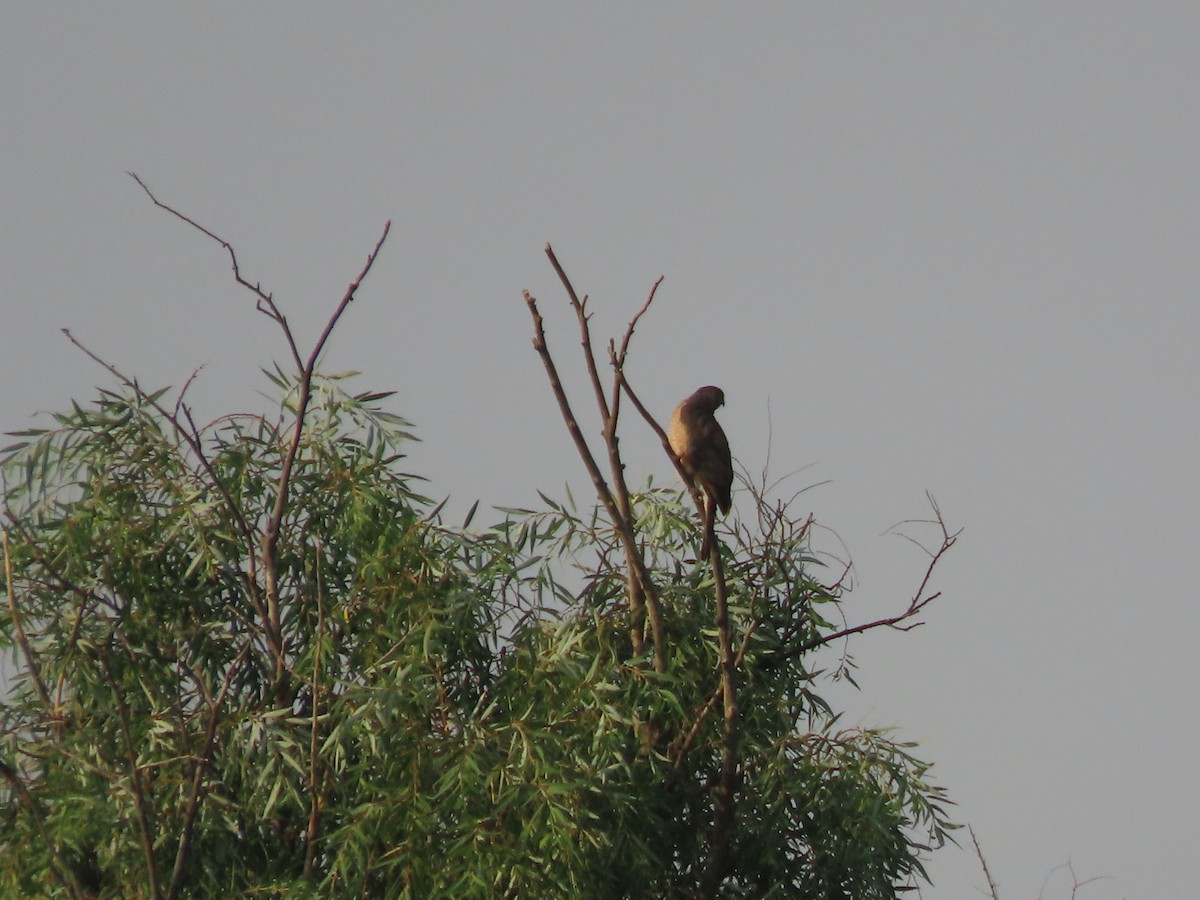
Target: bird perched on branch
{"x": 702, "y": 448}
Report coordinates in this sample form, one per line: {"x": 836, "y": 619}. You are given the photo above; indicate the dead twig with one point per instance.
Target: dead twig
{"x": 305, "y": 368}
{"x": 1076, "y": 884}
{"x": 725, "y": 801}
{"x": 992, "y": 890}
{"x": 270, "y": 542}
{"x": 265, "y": 302}
{"x": 643, "y": 597}
{"x": 903, "y": 621}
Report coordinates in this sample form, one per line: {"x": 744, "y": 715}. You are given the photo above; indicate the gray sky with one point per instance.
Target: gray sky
{"x": 938, "y": 246}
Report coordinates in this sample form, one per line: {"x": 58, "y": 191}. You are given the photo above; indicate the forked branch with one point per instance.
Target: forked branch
{"x": 907, "y": 619}
{"x": 265, "y": 302}
{"x": 643, "y": 599}
{"x": 305, "y": 369}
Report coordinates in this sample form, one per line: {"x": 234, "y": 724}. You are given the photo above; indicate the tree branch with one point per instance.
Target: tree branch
{"x": 697, "y": 496}
{"x": 314, "y": 787}
{"x": 274, "y": 522}
{"x": 638, "y": 610}
{"x": 992, "y": 890}
{"x": 585, "y": 333}
{"x": 641, "y": 594}
{"x": 265, "y": 303}
{"x": 725, "y": 802}
{"x": 31, "y": 662}
{"x": 196, "y": 794}
{"x": 901, "y": 621}
{"x": 305, "y": 369}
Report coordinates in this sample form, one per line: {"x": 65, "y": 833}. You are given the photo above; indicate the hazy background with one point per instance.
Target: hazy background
{"x": 938, "y": 246}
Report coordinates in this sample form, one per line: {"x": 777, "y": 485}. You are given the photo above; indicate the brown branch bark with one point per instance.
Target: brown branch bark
{"x": 642, "y": 595}
{"x": 305, "y": 368}
{"x": 196, "y": 794}
{"x": 697, "y": 496}
{"x": 644, "y": 602}
{"x": 612, "y": 411}
{"x": 270, "y": 541}
{"x": 265, "y": 302}
{"x": 314, "y": 786}
{"x": 992, "y": 890}
{"x": 580, "y": 307}
{"x": 725, "y": 801}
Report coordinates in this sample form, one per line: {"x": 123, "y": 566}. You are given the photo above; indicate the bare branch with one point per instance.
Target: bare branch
{"x": 619, "y": 358}
{"x": 351, "y": 290}
{"x": 641, "y": 594}
{"x": 620, "y": 521}
{"x": 904, "y": 620}
{"x": 265, "y": 302}
{"x": 610, "y": 431}
{"x": 994, "y": 892}
{"x": 697, "y": 497}
{"x": 580, "y": 307}
{"x": 1076, "y": 884}
{"x": 274, "y": 522}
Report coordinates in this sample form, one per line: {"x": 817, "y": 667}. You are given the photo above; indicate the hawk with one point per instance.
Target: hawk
{"x": 701, "y": 445}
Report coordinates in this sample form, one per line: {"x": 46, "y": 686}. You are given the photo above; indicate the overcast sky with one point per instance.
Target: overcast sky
{"x": 937, "y": 246}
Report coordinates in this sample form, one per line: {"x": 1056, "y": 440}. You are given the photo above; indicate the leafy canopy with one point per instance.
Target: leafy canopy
{"x": 251, "y": 658}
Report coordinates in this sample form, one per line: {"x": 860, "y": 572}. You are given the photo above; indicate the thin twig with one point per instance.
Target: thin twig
{"x": 651, "y": 608}
{"x": 1076, "y": 884}
{"x": 725, "y": 801}
{"x": 275, "y": 521}
{"x": 697, "y": 497}
{"x": 901, "y": 621}
{"x": 265, "y": 302}
{"x": 580, "y": 307}
{"x": 620, "y": 357}
{"x": 314, "y": 812}
{"x": 995, "y": 894}
{"x": 617, "y": 358}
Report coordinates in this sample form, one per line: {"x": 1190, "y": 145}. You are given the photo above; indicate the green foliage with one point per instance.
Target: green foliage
{"x": 443, "y": 712}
